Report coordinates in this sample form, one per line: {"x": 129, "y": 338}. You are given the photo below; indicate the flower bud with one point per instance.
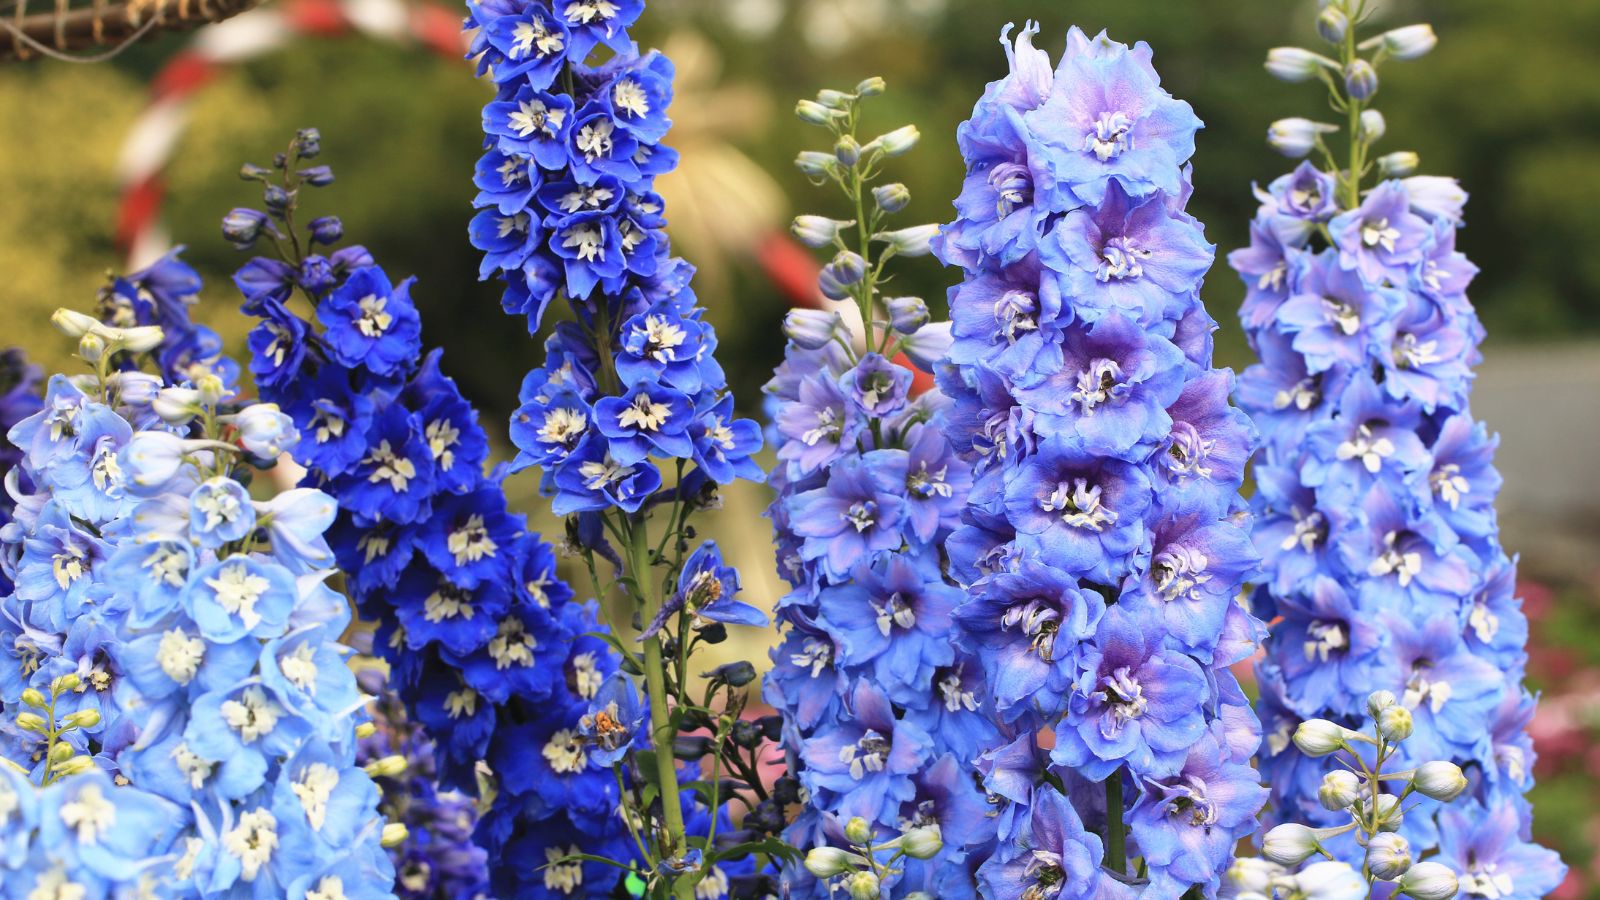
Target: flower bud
{"x": 922, "y": 843}
{"x": 1290, "y": 844}
{"x": 1428, "y": 881}
{"x": 176, "y": 405}
{"x": 734, "y": 674}
{"x": 28, "y": 721}
{"x": 1252, "y": 875}
{"x": 1435, "y": 197}
{"x": 308, "y": 143}
{"x": 73, "y": 324}
{"x": 864, "y": 886}
{"x": 899, "y": 140}
{"x": 848, "y": 267}
{"x": 1294, "y": 63}
{"x": 907, "y": 314}
{"x": 265, "y": 431}
{"x": 1360, "y": 79}
{"x": 83, "y": 718}
{"x": 33, "y": 698}
{"x": 63, "y": 683}
{"x": 1439, "y": 780}
{"x": 1395, "y": 724}
{"x": 928, "y": 346}
{"x": 212, "y": 390}
{"x": 394, "y": 834}
{"x": 326, "y": 230}
{"x": 139, "y": 339}
{"x": 1410, "y": 42}
{"x": 871, "y": 87}
{"x": 1380, "y": 700}
{"x": 243, "y": 227}
{"x": 847, "y": 150}
{"x": 817, "y": 231}
{"x": 391, "y": 766}
{"x": 829, "y": 284}
{"x": 833, "y": 99}
{"x": 1390, "y": 813}
{"x": 1373, "y": 125}
{"x": 276, "y": 198}
{"x": 914, "y": 241}
{"x": 812, "y": 329}
{"x": 1328, "y": 880}
{"x": 1339, "y": 790}
{"x": 77, "y": 765}
{"x": 813, "y": 113}
{"x": 816, "y": 164}
{"x": 1398, "y": 164}
{"x": 253, "y": 172}
{"x": 891, "y": 198}
{"x": 1388, "y": 856}
{"x": 1332, "y": 24}
{"x": 858, "y": 831}
{"x": 1319, "y": 737}
{"x": 91, "y": 347}
{"x": 1295, "y": 137}
{"x": 826, "y": 862}
{"x": 135, "y": 389}
{"x": 317, "y": 176}
{"x": 60, "y": 753}
{"x": 366, "y": 729}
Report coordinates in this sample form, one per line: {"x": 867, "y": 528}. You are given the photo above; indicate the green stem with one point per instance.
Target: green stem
{"x": 661, "y": 729}
{"x": 1116, "y": 831}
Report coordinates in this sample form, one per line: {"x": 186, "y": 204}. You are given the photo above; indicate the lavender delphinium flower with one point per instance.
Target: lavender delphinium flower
{"x": 19, "y": 398}
{"x": 479, "y": 632}
{"x": 1382, "y": 556}
{"x": 1104, "y": 542}
{"x": 631, "y": 423}
{"x": 869, "y": 489}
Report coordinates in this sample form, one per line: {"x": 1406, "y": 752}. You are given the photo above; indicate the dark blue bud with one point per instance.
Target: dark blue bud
{"x": 242, "y": 227}
{"x": 308, "y": 142}
{"x": 737, "y": 674}
{"x": 316, "y": 274}
{"x": 326, "y": 230}
{"x": 277, "y": 199}
{"x": 317, "y": 176}
{"x": 253, "y": 172}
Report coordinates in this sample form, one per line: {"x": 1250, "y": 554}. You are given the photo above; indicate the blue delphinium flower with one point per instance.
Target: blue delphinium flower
{"x": 1103, "y": 544}
{"x": 473, "y": 621}
{"x": 19, "y": 398}
{"x": 1383, "y": 562}
{"x": 876, "y": 698}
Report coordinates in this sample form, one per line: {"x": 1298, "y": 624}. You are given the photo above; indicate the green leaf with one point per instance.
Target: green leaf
{"x": 587, "y": 857}
{"x": 771, "y": 846}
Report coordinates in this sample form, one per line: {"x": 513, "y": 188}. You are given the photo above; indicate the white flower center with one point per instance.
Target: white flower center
{"x": 442, "y": 435}
{"x": 534, "y": 116}
{"x": 252, "y": 841}
{"x": 512, "y": 645}
{"x": 1323, "y": 639}
{"x": 193, "y": 767}
{"x": 870, "y": 754}
{"x": 390, "y": 467}
{"x": 1100, "y": 382}
{"x": 1111, "y": 136}
{"x": 252, "y": 714}
{"x": 90, "y": 814}
{"x": 471, "y": 542}
{"x": 594, "y": 139}
{"x": 1379, "y": 233}
{"x": 447, "y": 602}
{"x": 530, "y": 36}
{"x": 314, "y": 786}
{"x": 374, "y": 320}
{"x": 630, "y": 97}
{"x": 1370, "y": 450}
{"x": 586, "y": 237}
{"x": 566, "y": 877}
{"x": 1079, "y": 503}
{"x": 564, "y": 752}
{"x": 237, "y": 590}
{"x": 179, "y": 655}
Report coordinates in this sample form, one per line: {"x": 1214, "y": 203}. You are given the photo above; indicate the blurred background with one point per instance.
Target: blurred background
{"x": 1509, "y": 103}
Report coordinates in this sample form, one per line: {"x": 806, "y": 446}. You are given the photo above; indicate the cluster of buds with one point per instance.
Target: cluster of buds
{"x": 862, "y": 870}
{"x": 1353, "y": 75}
{"x": 280, "y": 194}
{"x": 60, "y": 758}
{"x": 1374, "y": 800}
{"x": 99, "y": 342}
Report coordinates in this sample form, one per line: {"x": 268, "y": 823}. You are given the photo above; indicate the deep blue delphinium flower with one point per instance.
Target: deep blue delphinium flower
{"x": 1103, "y": 543}
{"x": 1375, "y": 509}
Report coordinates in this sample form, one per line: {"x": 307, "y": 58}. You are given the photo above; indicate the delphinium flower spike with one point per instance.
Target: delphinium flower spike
{"x": 1104, "y": 542}
{"x": 171, "y": 670}
{"x": 1376, "y": 486}
{"x": 481, "y": 635}
{"x": 880, "y": 710}
{"x": 631, "y": 423}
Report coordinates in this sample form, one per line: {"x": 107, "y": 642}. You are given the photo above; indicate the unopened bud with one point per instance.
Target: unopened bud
{"x": 176, "y": 405}
{"x": 72, "y": 323}
{"x": 914, "y": 241}
{"x": 394, "y": 834}
{"x": 388, "y": 767}
{"x": 1410, "y": 42}
{"x": 366, "y": 729}
{"x": 833, "y": 99}
{"x": 1388, "y": 856}
{"x": 871, "y": 87}
{"x": 1439, "y": 780}
{"x": 77, "y": 765}
{"x": 848, "y": 267}
{"x": 899, "y": 140}
{"x": 308, "y": 142}
{"x": 1290, "y": 844}
{"x": 1294, "y": 63}
{"x": 826, "y": 862}
{"x": 847, "y": 150}
{"x": 858, "y": 831}
{"x": 1390, "y": 813}
{"x": 813, "y": 113}
{"x": 1360, "y": 79}
{"x": 1319, "y": 737}
{"x": 139, "y": 339}
{"x": 864, "y": 886}
{"x": 891, "y": 198}
{"x": 1332, "y": 24}
{"x": 242, "y": 227}
{"x": 60, "y": 753}
{"x": 922, "y": 843}
{"x": 1398, "y": 164}
{"x": 28, "y": 721}
{"x": 317, "y": 176}
{"x": 812, "y": 329}
{"x": 326, "y": 230}
{"x": 1378, "y": 701}
{"x": 907, "y": 314}
{"x": 816, "y": 164}
{"x": 91, "y": 347}
{"x": 63, "y": 683}
{"x": 33, "y": 698}
{"x": 1295, "y": 137}
{"x": 818, "y": 231}
{"x": 1428, "y": 881}
{"x": 735, "y": 674}
{"x": 1395, "y": 724}
{"x": 1339, "y": 790}
{"x": 1373, "y": 125}
{"x": 83, "y": 718}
